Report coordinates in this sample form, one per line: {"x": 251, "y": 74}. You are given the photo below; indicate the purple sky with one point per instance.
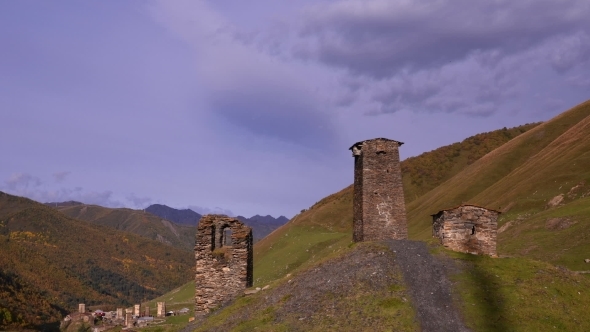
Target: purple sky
{"x": 249, "y": 107}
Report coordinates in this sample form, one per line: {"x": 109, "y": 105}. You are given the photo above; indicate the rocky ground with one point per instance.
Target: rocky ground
{"x": 428, "y": 285}
{"x": 395, "y": 285}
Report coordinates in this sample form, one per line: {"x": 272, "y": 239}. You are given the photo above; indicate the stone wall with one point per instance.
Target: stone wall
{"x": 223, "y": 271}
{"x": 467, "y": 228}
{"x": 379, "y": 210}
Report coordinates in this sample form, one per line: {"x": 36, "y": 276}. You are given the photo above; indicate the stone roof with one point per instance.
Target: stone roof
{"x": 374, "y": 139}
{"x": 458, "y": 206}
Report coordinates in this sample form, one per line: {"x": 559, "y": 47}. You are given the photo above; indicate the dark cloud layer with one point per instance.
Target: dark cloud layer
{"x": 378, "y": 38}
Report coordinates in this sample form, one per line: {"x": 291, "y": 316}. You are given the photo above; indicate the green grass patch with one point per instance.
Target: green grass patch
{"x": 567, "y": 243}
{"x": 519, "y": 294}
{"x": 298, "y": 246}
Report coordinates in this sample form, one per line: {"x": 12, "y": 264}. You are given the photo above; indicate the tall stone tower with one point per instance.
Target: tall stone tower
{"x": 379, "y": 211}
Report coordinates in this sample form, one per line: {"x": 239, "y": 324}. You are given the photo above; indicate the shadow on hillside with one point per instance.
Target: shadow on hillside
{"x": 487, "y": 295}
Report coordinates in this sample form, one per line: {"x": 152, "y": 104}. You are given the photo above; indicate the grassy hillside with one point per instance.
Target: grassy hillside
{"x": 518, "y": 294}
{"x": 493, "y": 294}
{"x": 428, "y": 170}
{"x": 53, "y": 262}
{"x": 520, "y": 178}
{"x": 307, "y": 238}
{"x": 135, "y": 221}
{"x": 327, "y": 226}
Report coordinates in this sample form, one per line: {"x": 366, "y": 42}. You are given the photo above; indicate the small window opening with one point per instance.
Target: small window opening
{"x": 473, "y": 230}
{"x": 380, "y": 152}
{"x": 212, "y": 238}
{"x": 227, "y": 237}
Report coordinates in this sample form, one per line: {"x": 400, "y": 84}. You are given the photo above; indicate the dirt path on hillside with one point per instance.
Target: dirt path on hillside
{"x": 428, "y": 286}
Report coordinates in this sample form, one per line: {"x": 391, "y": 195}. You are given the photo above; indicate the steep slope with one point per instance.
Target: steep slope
{"x": 428, "y": 170}
{"x": 542, "y": 159}
{"x": 23, "y": 306}
{"x": 180, "y": 216}
{"x": 549, "y": 162}
{"x": 63, "y": 261}
{"x": 135, "y": 221}
{"x": 306, "y": 239}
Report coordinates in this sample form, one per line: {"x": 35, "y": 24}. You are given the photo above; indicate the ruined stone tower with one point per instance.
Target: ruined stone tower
{"x": 223, "y": 252}
{"x": 379, "y": 211}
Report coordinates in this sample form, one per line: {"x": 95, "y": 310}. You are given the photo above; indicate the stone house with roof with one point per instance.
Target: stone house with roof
{"x": 467, "y": 228}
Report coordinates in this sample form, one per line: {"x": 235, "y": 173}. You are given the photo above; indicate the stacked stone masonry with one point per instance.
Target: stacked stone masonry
{"x": 467, "y": 228}
{"x": 161, "y": 309}
{"x": 379, "y": 211}
{"x": 223, "y": 270}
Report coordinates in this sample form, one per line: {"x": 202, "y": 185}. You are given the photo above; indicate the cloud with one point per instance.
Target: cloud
{"x": 61, "y": 176}
{"x": 102, "y": 198}
{"x": 251, "y": 87}
{"x": 27, "y": 185}
{"x": 572, "y": 51}
{"x": 215, "y": 210}
{"x": 378, "y": 38}
{"x": 440, "y": 56}
{"x": 22, "y": 181}
{"x": 139, "y": 202}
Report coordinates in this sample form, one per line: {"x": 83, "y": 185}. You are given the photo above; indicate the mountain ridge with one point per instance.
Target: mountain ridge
{"x": 261, "y": 225}
{"x": 138, "y": 222}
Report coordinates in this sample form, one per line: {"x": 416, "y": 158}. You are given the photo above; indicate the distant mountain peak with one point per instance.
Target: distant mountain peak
{"x": 68, "y": 203}
{"x": 179, "y": 216}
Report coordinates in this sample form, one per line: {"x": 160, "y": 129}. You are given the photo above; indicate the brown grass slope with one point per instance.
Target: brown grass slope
{"x": 522, "y": 175}
{"x": 135, "y": 221}
{"x": 428, "y": 170}
{"x": 51, "y": 258}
